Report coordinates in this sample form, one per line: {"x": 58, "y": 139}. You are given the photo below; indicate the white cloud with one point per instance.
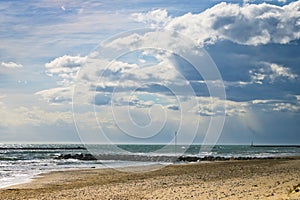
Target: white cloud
{"x": 257, "y": 75}
{"x": 249, "y": 24}
{"x": 65, "y": 61}
{"x": 19, "y": 116}
{"x": 152, "y": 39}
{"x": 101, "y": 75}
{"x": 57, "y": 96}
{"x": 282, "y": 1}
{"x": 281, "y": 71}
{"x": 142, "y": 99}
{"x": 271, "y": 72}
{"x": 209, "y": 106}
{"x": 155, "y": 18}
{"x": 286, "y": 107}
{"x": 236, "y": 83}
{"x": 259, "y": 101}
{"x": 65, "y": 67}
{"x": 98, "y": 73}
{"x": 119, "y": 73}
{"x": 10, "y": 65}
{"x": 278, "y": 105}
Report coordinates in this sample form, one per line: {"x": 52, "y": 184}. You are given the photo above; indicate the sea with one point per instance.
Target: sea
{"x": 19, "y": 163}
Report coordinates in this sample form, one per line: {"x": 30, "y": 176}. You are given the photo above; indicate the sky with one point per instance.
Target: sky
{"x": 223, "y": 72}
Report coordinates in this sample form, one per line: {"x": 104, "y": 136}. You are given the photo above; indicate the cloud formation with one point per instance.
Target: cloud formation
{"x": 57, "y": 96}
{"x": 21, "y": 115}
{"x": 291, "y": 106}
{"x": 65, "y": 67}
{"x": 10, "y": 65}
{"x": 139, "y": 80}
{"x": 281, "y": 71}
{"x": 271, "y": 72}
{"x": 247, "y": 24}
{"x": 156, "y": 18}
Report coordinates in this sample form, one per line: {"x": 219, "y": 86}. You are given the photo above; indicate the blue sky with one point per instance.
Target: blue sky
{"x": 63, "y": 79}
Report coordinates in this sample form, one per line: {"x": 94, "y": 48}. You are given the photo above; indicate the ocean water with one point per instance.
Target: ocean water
{"x": 21, "y": 162}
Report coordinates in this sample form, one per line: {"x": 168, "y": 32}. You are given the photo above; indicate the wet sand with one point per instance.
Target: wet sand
{"x": 252, "y": 179}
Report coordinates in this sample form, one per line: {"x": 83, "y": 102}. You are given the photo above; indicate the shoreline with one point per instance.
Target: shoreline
{"x": 181, "y": 160}
{"x": 250, "y": 179}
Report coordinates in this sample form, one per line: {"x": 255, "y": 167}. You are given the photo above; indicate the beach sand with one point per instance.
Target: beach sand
{"x": 253, "y": 179}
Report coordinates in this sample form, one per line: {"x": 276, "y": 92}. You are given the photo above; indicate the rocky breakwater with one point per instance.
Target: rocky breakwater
{"x": 220, "y": 158}
{"x": 76, "y": 156}
{"x": 133, "y": 157}
{"x": 146, "y": 158}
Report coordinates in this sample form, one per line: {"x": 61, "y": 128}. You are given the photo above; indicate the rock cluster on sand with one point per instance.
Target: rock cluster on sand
{"x": 157, "y": 158}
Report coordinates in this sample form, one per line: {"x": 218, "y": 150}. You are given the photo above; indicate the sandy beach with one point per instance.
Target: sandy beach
{"x": 252, "y": 179}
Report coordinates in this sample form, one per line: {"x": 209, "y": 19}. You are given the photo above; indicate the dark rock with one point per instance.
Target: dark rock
{"x": 76, "y": 156}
